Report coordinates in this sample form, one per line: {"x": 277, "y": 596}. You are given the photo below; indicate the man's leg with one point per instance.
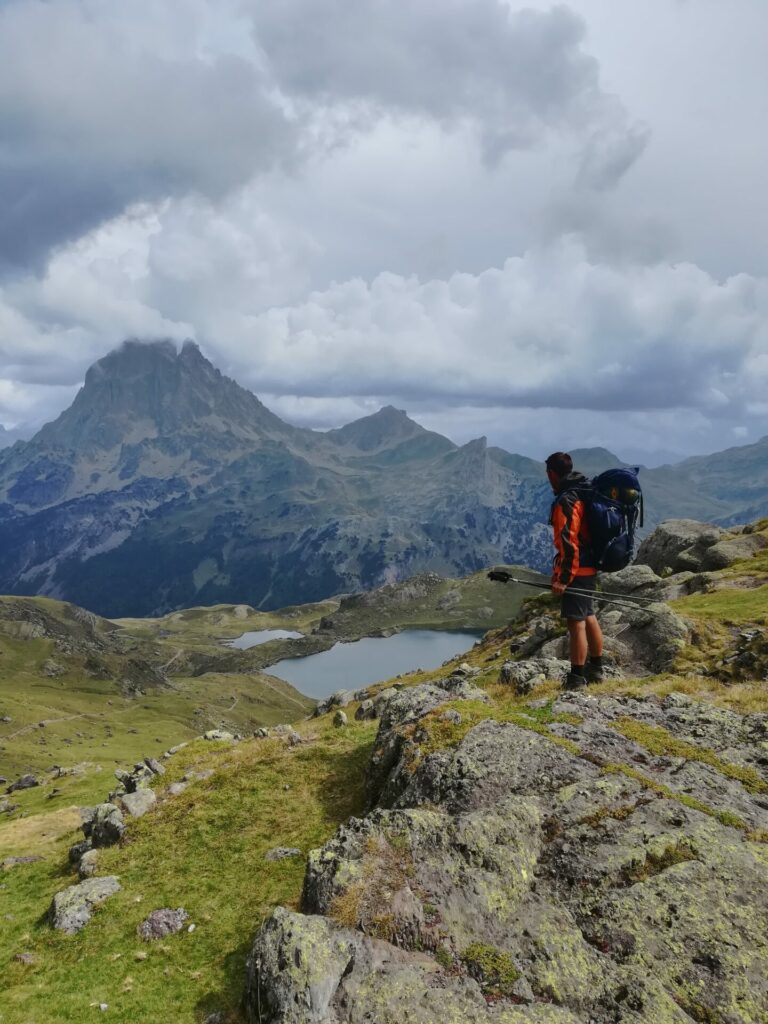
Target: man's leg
{"x": 594, "y": 637}
{"x": 594, "y": 640}
{"x": 577, "y": 641}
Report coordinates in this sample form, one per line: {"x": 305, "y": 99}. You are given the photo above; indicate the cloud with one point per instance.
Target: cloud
{"x": 515, "y": 75}
{"x": 100, "y": 110}
{"x": 549, "y": 329}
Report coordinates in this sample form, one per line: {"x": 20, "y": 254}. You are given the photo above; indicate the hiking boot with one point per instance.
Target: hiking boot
{"x": 573, "y": 681}
{"x": 594, "y": 673}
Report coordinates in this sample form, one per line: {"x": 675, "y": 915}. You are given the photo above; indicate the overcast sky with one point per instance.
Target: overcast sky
{"x": 543, "y": 223}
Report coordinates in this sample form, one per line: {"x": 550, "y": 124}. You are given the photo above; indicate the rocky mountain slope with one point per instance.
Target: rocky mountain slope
{"x": 173, "y": 480}
{"x": 470, "y": 844}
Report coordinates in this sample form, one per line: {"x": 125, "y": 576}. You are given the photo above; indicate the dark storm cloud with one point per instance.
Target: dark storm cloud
{"x": 92, "y": 120}
{"x": 515, "y": 74}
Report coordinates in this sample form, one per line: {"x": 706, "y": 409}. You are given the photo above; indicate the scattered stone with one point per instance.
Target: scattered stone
{"x": 288, "y": 733}
{"x": 452, "y": 716}
{"x": 13, "y": 862}
{"x": 219, "y": 734}
{"x": 106, "y": 827}
{"x": 52, "y": 668}
{"x": 88, "y": 863}
{"x": 137, "y": 804}
{"x": 76, "y": 852}
{"x": 340, "y": 719}
{"x": 282, "y": 853}
{"x": 523, "y": 676}
{"x": 24, "y": 782}
{"x": 261, "y": 734}
{"x": 154, "y": 765}
{"x": 24, "y": 958}
{"x": 176, "y": 788}
{"x": 71, "y": 909}
{"x": 366, "y": 711}
{"x": 161, "y": 923}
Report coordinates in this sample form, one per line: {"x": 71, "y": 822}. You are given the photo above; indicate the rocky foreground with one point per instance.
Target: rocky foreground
{"x": 594, "y": 859}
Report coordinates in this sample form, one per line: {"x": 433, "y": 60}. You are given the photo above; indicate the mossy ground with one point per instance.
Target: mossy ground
{"x": 203, "y": 850}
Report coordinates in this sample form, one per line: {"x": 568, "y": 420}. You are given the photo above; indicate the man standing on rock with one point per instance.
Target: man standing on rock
{"x": 574, "y": 569}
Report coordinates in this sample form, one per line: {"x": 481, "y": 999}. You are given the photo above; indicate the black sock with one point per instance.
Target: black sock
{"x": 576, "y": 670}
{"x": 596, "y": 660}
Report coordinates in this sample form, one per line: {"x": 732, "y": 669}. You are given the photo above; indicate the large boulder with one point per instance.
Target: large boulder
{"x": 71, "y": 908}
{"x": 677, "y": 545}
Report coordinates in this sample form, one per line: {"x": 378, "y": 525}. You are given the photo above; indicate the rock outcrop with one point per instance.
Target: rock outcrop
{"x": 678, "y": 545}
{"x": 595, "y": 861}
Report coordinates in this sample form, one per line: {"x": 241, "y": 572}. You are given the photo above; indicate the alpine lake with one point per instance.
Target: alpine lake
{"x": 350, "y": 666}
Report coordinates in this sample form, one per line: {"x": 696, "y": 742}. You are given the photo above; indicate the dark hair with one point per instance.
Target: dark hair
{"x": 560, "y": 463}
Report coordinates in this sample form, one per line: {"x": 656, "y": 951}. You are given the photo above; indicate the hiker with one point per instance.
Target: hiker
{"x": 574, "y": 568}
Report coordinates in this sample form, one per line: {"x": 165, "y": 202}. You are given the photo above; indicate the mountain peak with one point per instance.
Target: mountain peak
{"x": 383, "y": 429}
{"x": 149, "y": 389}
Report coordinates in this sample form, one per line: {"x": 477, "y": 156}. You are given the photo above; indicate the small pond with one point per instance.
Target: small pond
{"x": 371, "y": 660}
{"x": 261, "y": 636}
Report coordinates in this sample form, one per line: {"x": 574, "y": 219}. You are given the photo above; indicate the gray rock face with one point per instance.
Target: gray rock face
{"x": 71, "y": 909}
{"x": 605, "y": 897}
{"x": 161, "y": 923}
{"x": 386, "y": 770}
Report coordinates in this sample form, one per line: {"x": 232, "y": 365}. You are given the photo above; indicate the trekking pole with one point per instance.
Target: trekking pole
{"x": 625, "y": 600}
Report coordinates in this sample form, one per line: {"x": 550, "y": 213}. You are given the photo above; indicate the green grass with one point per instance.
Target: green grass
{"x": 733, "y": 604}
{"x": 203, "y": 850}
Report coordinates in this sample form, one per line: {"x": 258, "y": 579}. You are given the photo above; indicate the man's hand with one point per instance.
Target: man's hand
{"x": 558, "y": 587}
{"x": 499, "y": 576}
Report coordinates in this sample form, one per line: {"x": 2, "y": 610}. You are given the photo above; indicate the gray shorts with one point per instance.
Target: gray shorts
{"x": 578, "y": 606}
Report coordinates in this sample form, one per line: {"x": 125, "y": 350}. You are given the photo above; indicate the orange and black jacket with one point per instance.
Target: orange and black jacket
{"x": 573, "y": 545}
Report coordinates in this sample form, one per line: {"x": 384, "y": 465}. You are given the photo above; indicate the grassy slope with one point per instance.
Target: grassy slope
{"x": 205, "y": 851}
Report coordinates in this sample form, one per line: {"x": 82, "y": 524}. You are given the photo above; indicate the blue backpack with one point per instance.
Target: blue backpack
{"x": 614, "y": 507}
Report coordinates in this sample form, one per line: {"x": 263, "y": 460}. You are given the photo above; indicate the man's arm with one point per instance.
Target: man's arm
{"x": 566, "y": 522}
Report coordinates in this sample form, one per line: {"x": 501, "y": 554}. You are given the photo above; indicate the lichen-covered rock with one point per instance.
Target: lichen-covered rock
{"x": 678, "y": 544}
{"x": 522, "y": 676}
{"x": 306, "y": 970}
{"x": 282, "y": 853}
{"x": 161, "y": 923}
{"x": 405, "y": 707}
{"x": 71, "y": 909}
{"x": 106, "y": 826}
{"x": 88, "y": 863}
{"x": 609, "y": 864}
{"x": 138, "y": 803}
{"x": 366, "y": 711}
{"x": 733, "y": 549}
{"x": 340, "y": 719}
{"x": 220, "y": 735}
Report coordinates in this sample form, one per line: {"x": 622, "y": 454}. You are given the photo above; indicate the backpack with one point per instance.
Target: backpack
{"x": 614, "y": 507}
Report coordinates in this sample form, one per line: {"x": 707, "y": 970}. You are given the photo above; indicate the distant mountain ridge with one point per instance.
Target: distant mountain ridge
{"x": 167, "y": 484}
